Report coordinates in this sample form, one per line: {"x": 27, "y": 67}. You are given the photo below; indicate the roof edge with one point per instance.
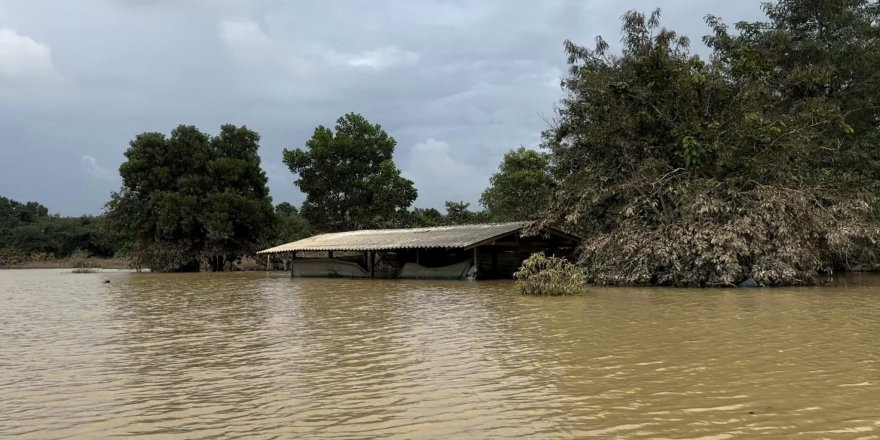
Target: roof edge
{"x": 318, "y": 247}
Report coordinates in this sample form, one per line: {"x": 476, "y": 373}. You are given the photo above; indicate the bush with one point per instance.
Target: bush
{"x": 10, "y": 256}
{"x": 721, "y": 235}
{"x": 553, "y": 276}
{"x": 40, "y": 256}
{"x": 79, "y": 260}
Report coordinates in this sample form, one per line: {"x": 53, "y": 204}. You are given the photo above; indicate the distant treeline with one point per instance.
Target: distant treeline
{"x": 29, "y": 232}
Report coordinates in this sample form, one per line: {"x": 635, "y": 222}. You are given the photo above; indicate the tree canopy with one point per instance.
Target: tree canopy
{"x": 13, "y": 213}
{"x": 349, "y": 177}
{"x": 191, "y": 199}
{"x": 459, "y": 213}
{"x": 690, "y": 172}
{"x": 521, "y": 188}
{"x": 290, "y": 226}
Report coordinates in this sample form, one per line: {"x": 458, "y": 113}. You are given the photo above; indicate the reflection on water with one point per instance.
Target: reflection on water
{"x": 264, "y": 356}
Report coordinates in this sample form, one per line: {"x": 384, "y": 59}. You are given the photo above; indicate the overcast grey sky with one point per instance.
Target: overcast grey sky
{"x": 457, "y": 83}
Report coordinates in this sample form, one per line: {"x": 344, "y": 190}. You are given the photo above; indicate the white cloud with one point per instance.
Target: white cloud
{"x": 440, "y": 177}
{"x": 246, "y": 41}
{"x": 93, "y": 168}
{"x": 384, "y": 57}
{"x": 251, "y": 47}
{"x": 24, "y": 60}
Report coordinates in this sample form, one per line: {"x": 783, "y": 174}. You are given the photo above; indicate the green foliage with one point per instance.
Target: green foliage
{"x": 349, "y": 177}
{"x": 13, "y": 213}
{"x": 521, "y": 188}
{"x": 79, "y": 260}
{"x": 426, "y": 217}
{"x": 10, "y": 256}
{"x": 458, "y": 213}
{"x": 289, "y": 226}
{"x": 191, "y": 198}
{"x": 815, "y": 69}
{"x": 552, "y": 276}
{"x": 759, "y": 163}
{"x": 29, "y": 233}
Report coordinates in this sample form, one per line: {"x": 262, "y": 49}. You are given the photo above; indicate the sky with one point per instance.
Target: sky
{"x": 457, "y": 83}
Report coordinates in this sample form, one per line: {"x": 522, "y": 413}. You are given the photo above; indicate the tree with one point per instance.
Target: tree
{"x": 521, "y": 188}
{"x": 349, "y": 177}
{"x": 683, "y": 172}
{"x": 458, "y": 213}
{"x": 192, "y": 199}
{"x": 13, "y": 213}
{"x": 425, "y": 217}
{"x": 818, "y": 61}
{"x": 290, "y": 226}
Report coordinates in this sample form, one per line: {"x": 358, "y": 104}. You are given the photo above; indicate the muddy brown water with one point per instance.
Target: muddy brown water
{"x": 260, "y": 355}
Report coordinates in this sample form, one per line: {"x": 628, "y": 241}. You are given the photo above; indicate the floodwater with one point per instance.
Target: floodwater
{"x": 260, "y": 355}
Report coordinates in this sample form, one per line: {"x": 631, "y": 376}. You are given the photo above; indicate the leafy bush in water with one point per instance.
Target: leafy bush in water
{"x": 79, "y": 260}
{"x": 543, "y": 275}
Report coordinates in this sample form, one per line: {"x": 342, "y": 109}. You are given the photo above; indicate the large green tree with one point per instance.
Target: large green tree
{"x": 686, "y": 172}
{"x": 521, "y": 188}
{"x": 349, "y": 177}
{"x": 817, "y": 62}
{"x": 191, "y": 199}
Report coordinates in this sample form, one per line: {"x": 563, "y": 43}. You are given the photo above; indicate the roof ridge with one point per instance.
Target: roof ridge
{"x": 446, "y": 236}
{"x": 432, "y": 227}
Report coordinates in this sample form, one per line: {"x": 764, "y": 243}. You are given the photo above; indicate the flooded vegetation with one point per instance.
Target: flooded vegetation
{"x": 261, "y": 355}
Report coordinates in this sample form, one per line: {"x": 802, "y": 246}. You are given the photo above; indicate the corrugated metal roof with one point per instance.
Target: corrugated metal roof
{"x": 461, "y": 236}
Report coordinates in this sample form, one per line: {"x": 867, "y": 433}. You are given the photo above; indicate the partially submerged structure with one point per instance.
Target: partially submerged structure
{"x": 487, "y": 251}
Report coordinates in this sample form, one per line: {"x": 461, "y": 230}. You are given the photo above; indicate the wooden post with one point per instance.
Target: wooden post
{"x": 329, "y": 254}
{"x": 292, "y": 259}
{"x": 417, "y": 256}
{"x": 267, "y": 261}
{"x": 372, "y": 264}
{"x": 476, "y": 262}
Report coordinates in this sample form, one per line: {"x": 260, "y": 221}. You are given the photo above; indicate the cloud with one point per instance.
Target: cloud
{"x": 439, "y": 176}
{"x": 246, "y": 41}
{"x": 251, "y": 48}
{"x": 24, "y": 60}
{"x": 388, "y": 56}
{"x": 94, "y": 169}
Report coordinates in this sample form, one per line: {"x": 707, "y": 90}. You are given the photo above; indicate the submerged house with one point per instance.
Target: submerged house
{"x": 486, "y": 251}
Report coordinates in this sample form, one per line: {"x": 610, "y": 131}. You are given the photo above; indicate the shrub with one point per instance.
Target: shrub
{"x": 79, "y": 260}
{"x": 40, "y": 256}
{"x": 720, "y": 235}
{"x": 554, "y": 276}
{"x": 10, "y": 256}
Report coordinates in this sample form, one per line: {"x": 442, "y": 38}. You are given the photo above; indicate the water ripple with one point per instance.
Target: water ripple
{"x": 206, "y": 356}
